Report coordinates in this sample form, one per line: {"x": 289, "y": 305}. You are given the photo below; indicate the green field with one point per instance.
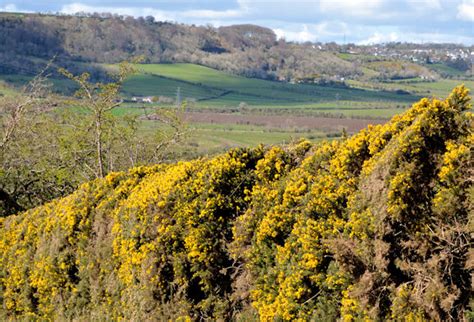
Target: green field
{"x": 204, "y": 138}
{"x": 438, "y": 89}
{"x": 209, "y": 88}
{"x": 201, "y": 82}
{"x": 15, "y": 82}
{"x": 212, "y": 88}
{"x": 445, "y": 70}
{"x": 153, "y": 85}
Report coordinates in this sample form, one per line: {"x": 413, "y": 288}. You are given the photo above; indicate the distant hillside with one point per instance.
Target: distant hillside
{"x": 244, "y": 49}
{"x": 27, "y": 41}
{"x": 377, "y": 226}
{"x": 217, "y": 87}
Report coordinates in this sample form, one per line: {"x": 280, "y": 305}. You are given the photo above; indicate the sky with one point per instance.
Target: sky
{"x": 342, "y": 21}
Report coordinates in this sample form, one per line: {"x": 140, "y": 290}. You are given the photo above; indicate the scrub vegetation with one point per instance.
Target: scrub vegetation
{"x": 376, "y": 226}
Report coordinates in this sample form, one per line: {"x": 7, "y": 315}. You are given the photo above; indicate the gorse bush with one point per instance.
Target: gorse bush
{"x": 377, "y": 226}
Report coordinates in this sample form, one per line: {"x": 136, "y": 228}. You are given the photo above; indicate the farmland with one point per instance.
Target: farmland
{"x": 215, "y": 88}
{"x": 225, "y": 110}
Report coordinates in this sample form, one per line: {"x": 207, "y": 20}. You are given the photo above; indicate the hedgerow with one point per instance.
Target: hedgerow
{"x": 377, "y": 226}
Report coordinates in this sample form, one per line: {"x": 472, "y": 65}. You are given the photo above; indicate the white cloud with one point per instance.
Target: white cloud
{"x": 9, "y": 8}
{"x": 300, "y": 36}
{"x": 362, "y": 8}
{"x": 434, "y": 37}
{"x": 332, "y": 28}
{"x": 466, "y": 10}
{"x": 212, "y": 14}
{"x": 378, "y": 38}
{"x": 314, "y": 32}
{"x": 425, "y": 4}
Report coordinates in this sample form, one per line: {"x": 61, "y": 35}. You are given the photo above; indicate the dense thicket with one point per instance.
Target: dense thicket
{"x": 377, "y": 226}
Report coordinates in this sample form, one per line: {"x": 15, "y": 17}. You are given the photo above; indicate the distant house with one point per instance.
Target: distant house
{"x": 147, "y": 99}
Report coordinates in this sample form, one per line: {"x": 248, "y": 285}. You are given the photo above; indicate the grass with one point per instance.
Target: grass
{"x": 439, "y": 89}
{"x": 445, "y": 70}
{"x": 215, "y": 89}
{"x": 6, "y": 90}
{"x": 210, "y": 88}
{"x": 64, "y": 86}
{"x": 358, "y": 57}
{"x": 152, "y": 85}
{"x": 204, "y": 80}
{"x": 208, "y": 138}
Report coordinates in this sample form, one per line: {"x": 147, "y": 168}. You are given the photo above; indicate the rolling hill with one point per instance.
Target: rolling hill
{"x": 232, "y": 88}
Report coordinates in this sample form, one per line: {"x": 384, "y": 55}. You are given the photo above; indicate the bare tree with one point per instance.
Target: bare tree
{"x": 100, "y": 98}
{"x": 35, "y": 95}
{"x": 15, "y": 112}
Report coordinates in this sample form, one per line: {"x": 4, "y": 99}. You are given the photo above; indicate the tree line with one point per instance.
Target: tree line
{"x": 247, "y": 50}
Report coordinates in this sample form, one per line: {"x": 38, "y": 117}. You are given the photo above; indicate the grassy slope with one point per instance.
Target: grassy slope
{"x": 444, "y": 69}
{"x": 152, "y": 85}
{"x": 261, "y": 92}
{"x": 214, "y": 88}
{"x": 438, "y": 88}
{"x": 211, "y": 88}
{"x": 59, "y": 85}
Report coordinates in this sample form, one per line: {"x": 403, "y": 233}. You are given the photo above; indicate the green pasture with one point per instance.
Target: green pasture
{"x": 230, "y": 90}
{"x": 207, "y": 88}
{"x": 207, "y": 138}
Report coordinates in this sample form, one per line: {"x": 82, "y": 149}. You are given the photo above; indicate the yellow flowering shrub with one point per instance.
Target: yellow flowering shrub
{"x": 371, "y": 227}
{"x": 409, "y": 220}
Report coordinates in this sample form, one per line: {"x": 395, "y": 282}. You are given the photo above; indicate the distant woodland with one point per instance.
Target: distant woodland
{"x": 248, "y": 50}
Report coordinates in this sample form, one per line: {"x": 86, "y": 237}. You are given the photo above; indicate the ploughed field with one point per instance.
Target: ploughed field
{"x": 283, "y": 122}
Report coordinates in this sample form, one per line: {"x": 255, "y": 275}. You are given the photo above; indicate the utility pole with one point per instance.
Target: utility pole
{"x": 472, "y": 63}
{"x": 178, "y": 97}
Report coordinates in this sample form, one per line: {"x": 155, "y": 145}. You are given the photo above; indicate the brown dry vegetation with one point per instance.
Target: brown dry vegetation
{"x": 277, "y": 121}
